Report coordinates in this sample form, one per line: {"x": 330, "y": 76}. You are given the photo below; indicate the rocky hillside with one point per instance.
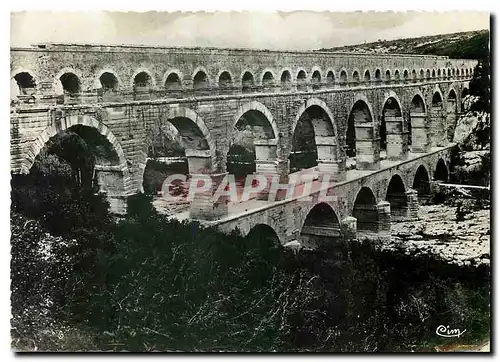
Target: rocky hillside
{"x": 469, "y": 45}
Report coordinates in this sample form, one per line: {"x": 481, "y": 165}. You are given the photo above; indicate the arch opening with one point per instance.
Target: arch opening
{"x": 169, "y": 142}
{"x": 437, "y": 101}
{"x": 421, "y": 184}
{"x": 251, "y": 129}
{"x": 433, "y": 73}
{"x": 365, "y": 212}
{"x": 388, "y": 76}
{"x": 441, "y": 172}
{"x": 316, "y": 80}
{"x": 247, "y": 82}
{"x": 397, "y": 75}
{"x": 414, "y": 75}
{"x": 173, "y": 83}
{"x": 286, "y": 81}
{"x": 268, "y": 81}
{"x": 109, "y": 82}
{"x": 301, "y": 81}
{"x": 72, "y": 159}
{"x": 321, "y": 226}
{"x": 200, "y": 81}
{"x": 405, "y": 75}
{"x": 378, "y": 75}
{"x": 330, "y": 79}
{"x": 225, "y": 81}
{"x": 359, "y": 137}
{"x": 368, "y": 78}
{"x": 417, "y": 130}
{"x": 397, "y": 198}
{"x": 313, "y": 140}
{"x": 392, "y": 145}
{"x": 264, "y": 235}
{"x": 355, "y": 77}
{"x": 26, "y": 84}
{"x": 428, "y": 74}
{"x": 70, "y": 83}
{"x": 343, "y": 77}
{"x": 142, "y": 85}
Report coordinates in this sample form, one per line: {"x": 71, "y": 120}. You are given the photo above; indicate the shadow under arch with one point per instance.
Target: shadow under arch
{"x": 321, "y": 226}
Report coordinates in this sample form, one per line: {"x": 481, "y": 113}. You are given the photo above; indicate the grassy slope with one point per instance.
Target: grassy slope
{"x": 468, "y": 45}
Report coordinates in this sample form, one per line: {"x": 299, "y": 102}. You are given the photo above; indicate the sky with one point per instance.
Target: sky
{"x": 270, "y": 30}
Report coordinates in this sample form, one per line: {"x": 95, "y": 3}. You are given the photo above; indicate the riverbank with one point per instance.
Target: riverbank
{"x": 438, "y": 233}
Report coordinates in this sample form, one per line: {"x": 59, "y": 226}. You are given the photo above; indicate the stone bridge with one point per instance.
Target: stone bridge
{"x": 370, "y": 118}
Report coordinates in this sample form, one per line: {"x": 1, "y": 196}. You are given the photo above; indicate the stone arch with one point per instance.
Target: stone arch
{"x": 268, "y": 78}
{"x": 200, "y": 78}
{"x": 439, "y": 73}
{"x": 265, "y": 231}
{"x": 367, "y": 77}
{"x": 321, "y": 225}
{"x": 58, "y": 86}
{"x": 451, "y": 113}
{"x": 330, "y": 78}
{"x": 365, "y": 211}
{"x": 437, "y": 118}
{"x": 23, "y": 82}
{"x": 325, "y": 133}
{"x": 360, "y": 135}
{"x": 343, "y": 76}
{"x": 396, "y": 196}
{"x": 100, "y": 83}
{"x": 301, "y": 79}
{"x": 414, "y": 75}
{"x": 449, "y": 72}
{"x": 441, "y": 172}
{"x": 316, "y": 78}
{"x": 388, "y": 75}
{"x": 172, "y": 80}
{"x": 225, "y": 79}
{"x": 247, "y": 81}
{"x": 286, "y": 79}
{"x": 392, "y": 121}
{"x": 417, "y": 124}
{"x": 64, "y": 124}
{"x": 433, "y": 75}
{"x": 253, "y": 140}
{"x": 428, "y": 74}
{"x": 259, "y": 107}
{"x": 196, "y": 138}
{"x": 421, "y": 74}
{"x": 378, "y": 75}
{"x": 397, "y": 75}
{"x": 421, "y": 183}
{"x": 437, "y": 98}
{"x": 355, "y": 76}
{"x": 143, "y": 70}
{"x": 406, "y": 74}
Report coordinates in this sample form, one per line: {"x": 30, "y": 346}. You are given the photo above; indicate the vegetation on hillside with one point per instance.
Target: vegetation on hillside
{"x": 465, "y": 45}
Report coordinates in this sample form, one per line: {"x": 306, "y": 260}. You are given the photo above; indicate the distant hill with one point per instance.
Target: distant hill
{"x": 467, "y": 45}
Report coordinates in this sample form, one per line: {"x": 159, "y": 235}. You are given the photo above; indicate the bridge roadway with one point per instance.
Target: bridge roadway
{"x": 361, "y": 204}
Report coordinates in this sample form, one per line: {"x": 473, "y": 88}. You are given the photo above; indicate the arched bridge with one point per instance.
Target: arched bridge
{"x": 378, "y": 124}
